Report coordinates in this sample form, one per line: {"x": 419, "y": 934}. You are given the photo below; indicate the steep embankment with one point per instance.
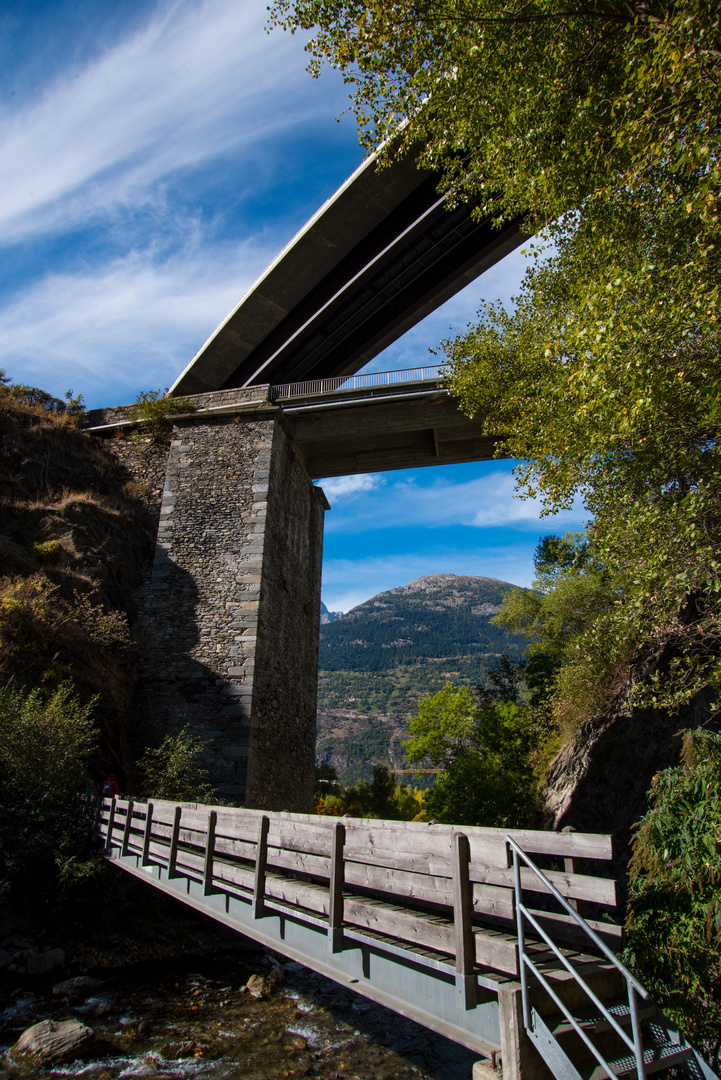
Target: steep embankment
{"x": 77, "y": 525}
{"x": 378, "y": 661}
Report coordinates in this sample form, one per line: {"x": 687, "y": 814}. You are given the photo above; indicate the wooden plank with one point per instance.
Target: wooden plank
{"x": 497, "y": 950}
{"x": 300, "y": 861}
{"x": 399, "y": 883}
{"x": 209, "y": 854}
{"x": 398, "y": 923}
{"x": 581, "y": 845}
{"x": 566, "y": 928}
{"x": 110, "y": 826}
{"x": 412, "y": 862}
{"x": 492, "y": 900}
{"x": 128, "y": 824}
{"x": 261, "y": 858}
{"x": 144, "y": 860}
{"x": 574, "y": 886}
{"x": 174, "y": 839}
{"x": 335, "y": 889}
{"x": 462, "y": 929}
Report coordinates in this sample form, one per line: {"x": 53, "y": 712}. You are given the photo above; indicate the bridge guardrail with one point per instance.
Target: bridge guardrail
{"x": 343, "y": 383}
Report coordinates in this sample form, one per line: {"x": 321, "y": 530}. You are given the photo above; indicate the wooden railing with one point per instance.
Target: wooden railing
{"x": 435, "y": 889}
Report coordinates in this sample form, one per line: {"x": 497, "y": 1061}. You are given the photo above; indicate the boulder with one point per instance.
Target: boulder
{"x": 55, "y": 1041}
{"x": 259, "y": 986}
{"x": 80, "y": 986}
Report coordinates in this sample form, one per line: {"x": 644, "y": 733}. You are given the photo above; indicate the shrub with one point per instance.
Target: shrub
{"x": 674, "y": 921}
{"x": 44, "y": 829}
{"x": 172, "y": 770}
{"x": 48, "y": 553}
{"x": 156, "y": 410}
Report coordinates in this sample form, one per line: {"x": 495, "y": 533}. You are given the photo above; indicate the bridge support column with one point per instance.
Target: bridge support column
{"x": 230, "y": 618}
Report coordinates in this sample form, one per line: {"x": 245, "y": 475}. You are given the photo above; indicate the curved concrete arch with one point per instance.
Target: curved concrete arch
{"x": 378, "y": 256}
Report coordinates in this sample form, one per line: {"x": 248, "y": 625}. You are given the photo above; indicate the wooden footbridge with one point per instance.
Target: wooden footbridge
{"x": 459, "y": 929}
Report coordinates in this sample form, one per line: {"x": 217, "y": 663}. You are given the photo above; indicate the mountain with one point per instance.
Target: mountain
{"x": 328, "y": 616}
{"x": 381, "y": 658}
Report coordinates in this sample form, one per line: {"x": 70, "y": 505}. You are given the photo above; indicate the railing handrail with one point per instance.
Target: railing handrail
{"x": 356, "y": 382}
{"x": 633, "y": 986}
{"x": 608, "y": 953}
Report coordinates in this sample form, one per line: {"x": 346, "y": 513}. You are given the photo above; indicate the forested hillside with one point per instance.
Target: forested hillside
{"x": 383, "y": 657}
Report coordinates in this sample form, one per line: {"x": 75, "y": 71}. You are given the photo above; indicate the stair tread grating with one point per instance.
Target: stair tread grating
{"x": 655, "y": 1058}
{"x": 592, "y": 1019}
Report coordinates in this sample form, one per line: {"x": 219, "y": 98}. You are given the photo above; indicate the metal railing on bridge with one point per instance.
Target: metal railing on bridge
{"x": 351, "y": 383}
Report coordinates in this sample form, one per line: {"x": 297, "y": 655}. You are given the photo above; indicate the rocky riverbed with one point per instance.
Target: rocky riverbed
{"x": 195, "y": 1017}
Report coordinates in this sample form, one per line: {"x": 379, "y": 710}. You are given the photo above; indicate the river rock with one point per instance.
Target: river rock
{"x": 55, "y": 1041}
{"x": 80, "y": 986}
{"x": 259, "y": 986}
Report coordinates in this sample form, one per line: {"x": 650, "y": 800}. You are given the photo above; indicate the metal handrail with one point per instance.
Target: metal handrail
{"x": 344, "y": 383}
{"x": 633, "y": 986}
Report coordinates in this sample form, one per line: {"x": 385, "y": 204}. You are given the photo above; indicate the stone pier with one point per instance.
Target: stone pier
{"x": 229, "y": 621}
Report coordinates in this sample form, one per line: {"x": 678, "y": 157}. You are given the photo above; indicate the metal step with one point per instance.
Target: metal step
{"x": 593, "y": 1022}
{"x": 658, "y": 1056}
{"x": 655, "y": 1058}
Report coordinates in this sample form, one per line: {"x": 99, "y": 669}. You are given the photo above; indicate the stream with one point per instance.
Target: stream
{"x": 192, "y": 1018}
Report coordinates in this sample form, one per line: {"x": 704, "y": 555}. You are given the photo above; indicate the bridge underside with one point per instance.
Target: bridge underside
{"x": 384, "y": 432}
{"x": 379, "y": 256}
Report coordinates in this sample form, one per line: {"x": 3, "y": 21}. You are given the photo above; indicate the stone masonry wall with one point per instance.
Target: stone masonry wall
{"x": 199, "y": 613}
{"x": 283, "y": 714}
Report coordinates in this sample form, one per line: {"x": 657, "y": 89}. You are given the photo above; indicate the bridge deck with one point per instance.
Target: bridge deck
{"x": 417, "y": 917}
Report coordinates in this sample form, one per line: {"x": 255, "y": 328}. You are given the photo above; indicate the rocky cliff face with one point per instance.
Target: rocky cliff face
{"x": 600, "y": 780}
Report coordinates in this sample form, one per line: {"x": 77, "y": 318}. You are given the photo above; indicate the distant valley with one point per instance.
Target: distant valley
{"x": 380, "y": 659}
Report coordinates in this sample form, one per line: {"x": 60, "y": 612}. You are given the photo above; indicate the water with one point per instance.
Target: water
{"x": 190, "y": 1019}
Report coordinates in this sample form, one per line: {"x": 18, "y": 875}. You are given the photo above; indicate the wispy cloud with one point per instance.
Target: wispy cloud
{"x": 136, "y": 319}
{"x": 197, "y": 82}
{"x": 483, "y": 502}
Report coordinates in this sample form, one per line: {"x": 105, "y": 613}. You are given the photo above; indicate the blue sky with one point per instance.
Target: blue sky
{"x": 156, "y": 157}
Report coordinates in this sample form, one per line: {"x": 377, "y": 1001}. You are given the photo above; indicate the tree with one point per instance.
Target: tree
{"x": 485, "y": 749}
{"x": 598, "y": 123}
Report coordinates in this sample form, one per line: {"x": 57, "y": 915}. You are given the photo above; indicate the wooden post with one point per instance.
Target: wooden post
{"x": 174, "y": 837}
{"x": 336, "y": 880}
{"x": 261, "y": 861}
{"x": 111, "y": 822}
{"x": 146, "y": 838}
{"x": 463, "y": 927}
{"x": 209, "y": 854}
{"x": 571, "y": 866}
{"x": 126, "y": 830}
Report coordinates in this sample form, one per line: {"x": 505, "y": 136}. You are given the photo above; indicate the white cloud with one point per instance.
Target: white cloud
{"x": 484, "y": 502}
{"x": 199, "y": 81}
{"x": 338, "y": 487}
{"x": 125, "y": 326}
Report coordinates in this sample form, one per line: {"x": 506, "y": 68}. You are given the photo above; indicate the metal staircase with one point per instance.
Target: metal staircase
{"x": 625, "y": 1034}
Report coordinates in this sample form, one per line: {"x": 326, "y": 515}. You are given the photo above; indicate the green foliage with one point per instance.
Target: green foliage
{"x": 444, "y": 728}
{"x": 155, "y": 409}
{"x": 45, "y": 831}
{"x": 675, "y": 895}
{"x": 568, "y": 620}
{"x": 601, "y": 125}
{"x": 48, "y": 552}
{"x": 486, "y": 751}
{"x": 173, "y": 770}
{"x": 382, "y": 797}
